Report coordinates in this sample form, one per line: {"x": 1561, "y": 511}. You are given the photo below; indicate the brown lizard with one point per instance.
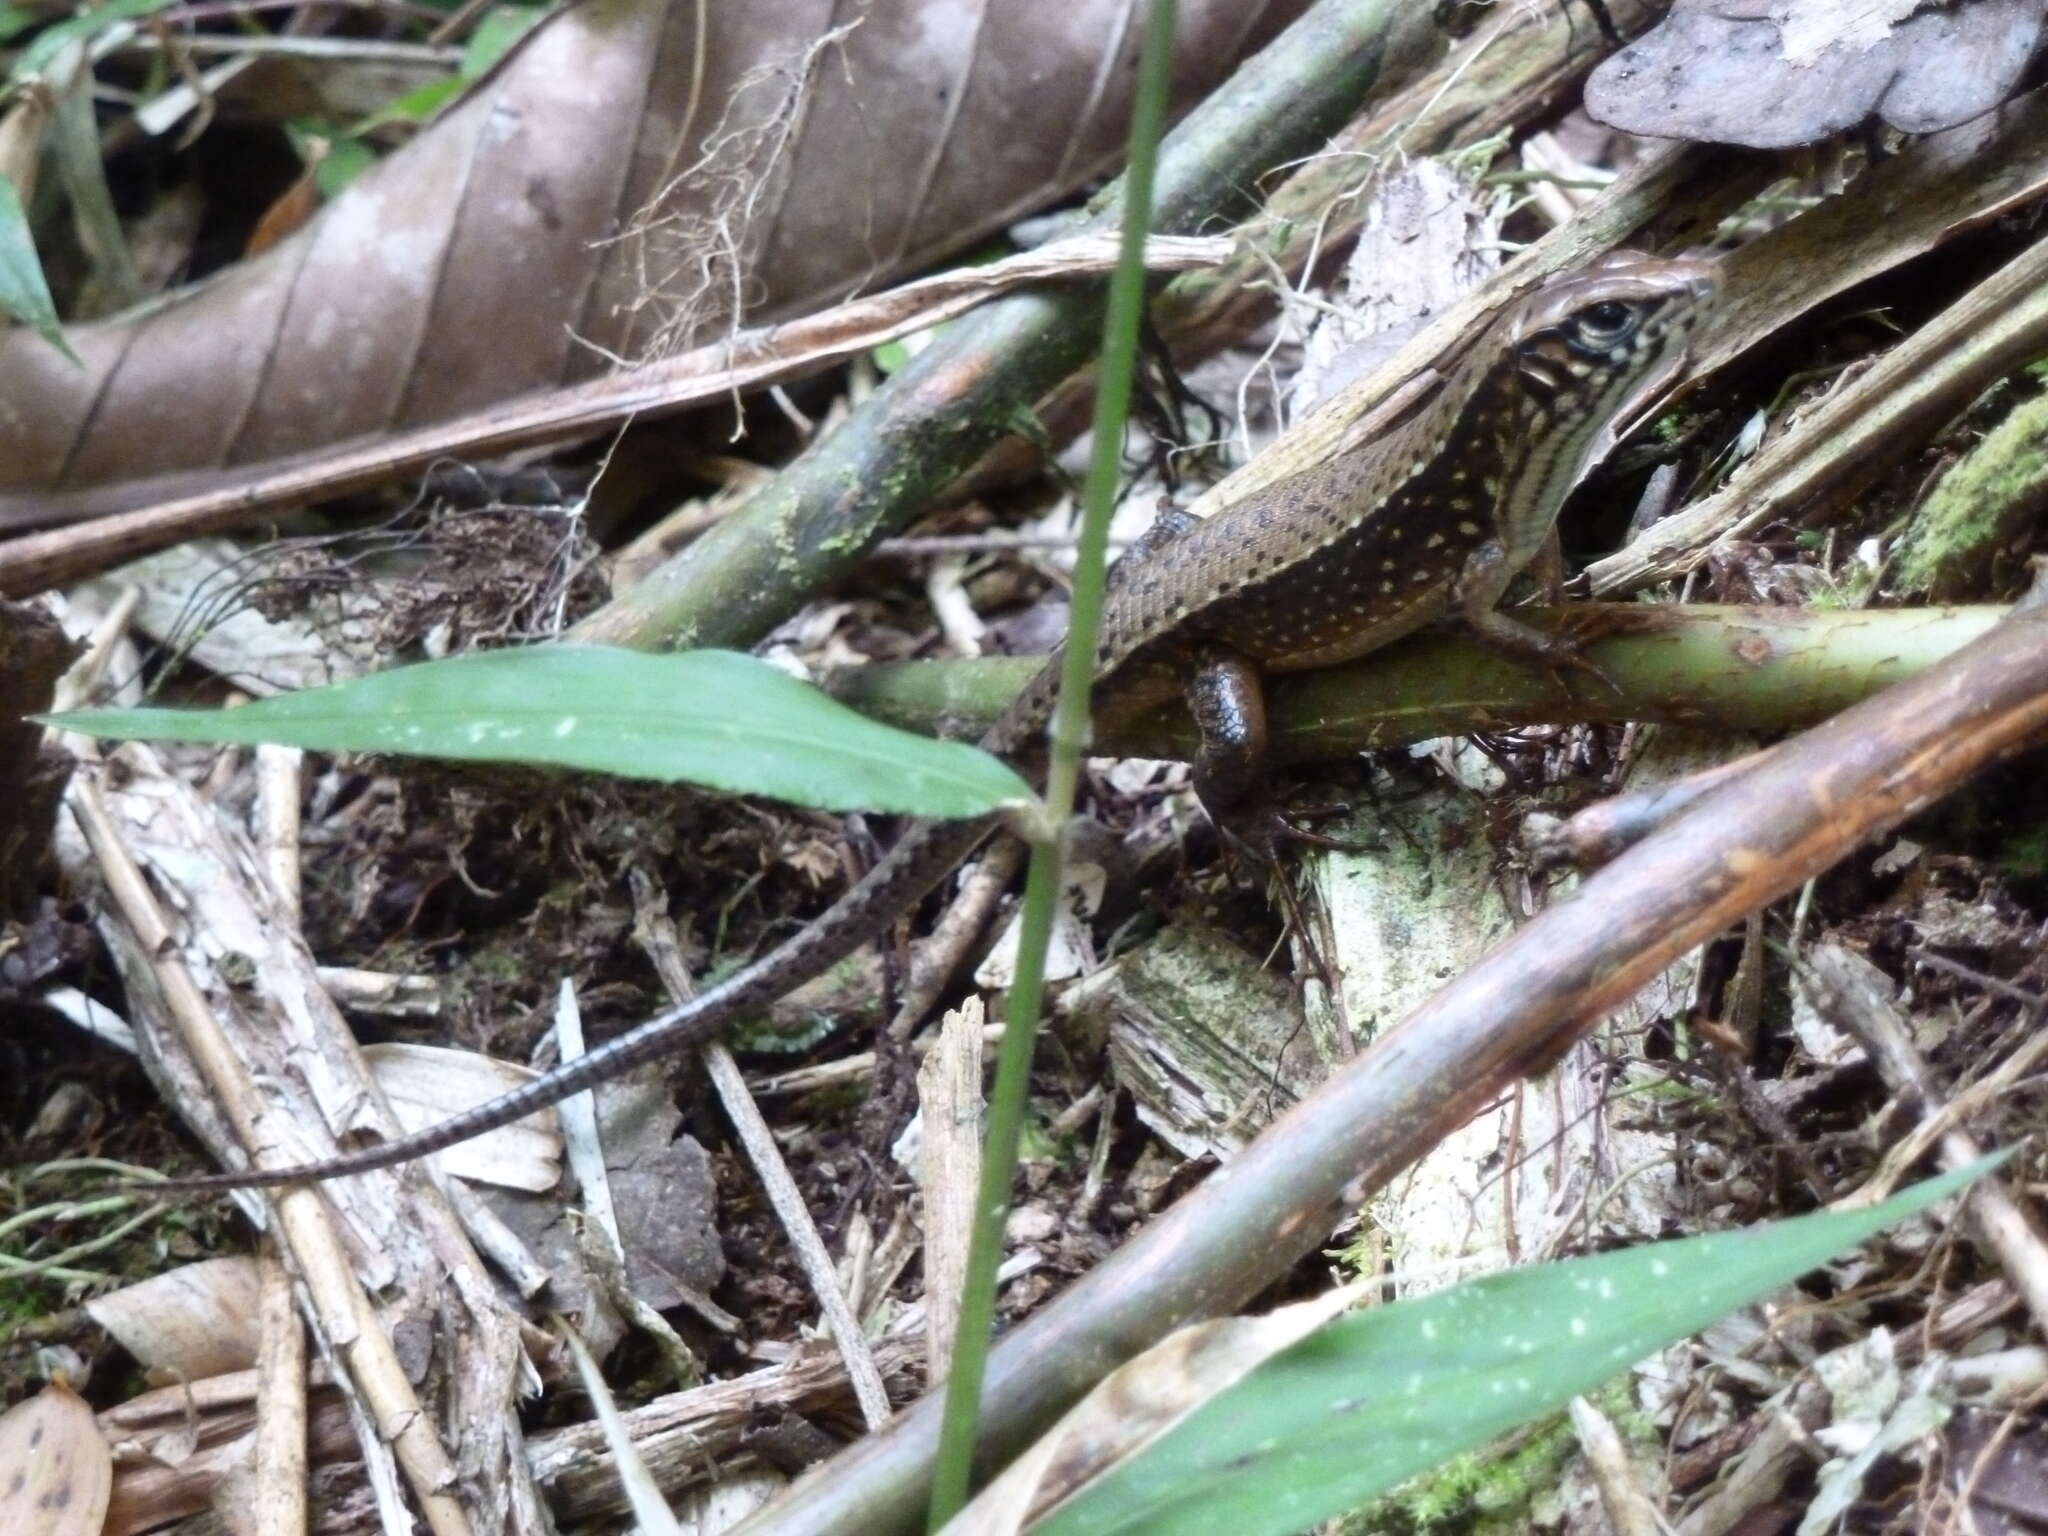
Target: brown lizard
{"x": 1435, "y": 516}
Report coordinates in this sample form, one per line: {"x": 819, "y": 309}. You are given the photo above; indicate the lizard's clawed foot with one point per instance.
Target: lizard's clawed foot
{"x": 1556, "y": 650}
{"x": 1568, "y": 658}
{"x": 1288, "y": 827}
{"x": 1562, "y": 651}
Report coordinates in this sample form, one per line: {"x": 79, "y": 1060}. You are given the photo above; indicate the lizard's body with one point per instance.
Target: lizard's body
{"x": 1436, "y": 515}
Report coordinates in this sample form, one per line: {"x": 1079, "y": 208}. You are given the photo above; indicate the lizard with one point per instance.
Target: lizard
{"x": 1436, "y": 516}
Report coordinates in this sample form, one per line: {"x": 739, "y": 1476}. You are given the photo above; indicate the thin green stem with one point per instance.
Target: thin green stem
{"x": 1007, "y": 1101}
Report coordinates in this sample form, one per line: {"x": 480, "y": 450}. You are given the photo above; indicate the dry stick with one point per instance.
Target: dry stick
{"x": 280, "y": 1492}
{"x": 751, "y": 359}
{"x": 1979, "y": 1095}
{"x": 277, "y": 823}
{"x": 683, "y": 1435}
{"x": 1743, "y": 847}
{"x": 602, "y": 1244}
{"x": 950, "y": 1101}
{"x": 842, "y": 1071}
{"x": 856, "y": 1255}
{"x": 496, "y": 1241}
{"x": 1780, "y": 1445}
{"x": 1630, "y": 1511}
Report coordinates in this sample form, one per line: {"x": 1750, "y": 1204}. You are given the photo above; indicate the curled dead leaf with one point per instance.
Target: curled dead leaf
{"x": 1797, "y": 71}
{"x": 188, "y": 1323}
{"x": 1135, "y": 1405}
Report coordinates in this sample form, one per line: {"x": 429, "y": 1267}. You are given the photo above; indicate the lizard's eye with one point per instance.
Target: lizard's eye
{"x": 1603, "y": 325}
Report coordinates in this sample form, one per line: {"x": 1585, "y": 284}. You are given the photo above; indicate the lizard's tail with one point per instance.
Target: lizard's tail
{"x": 917, "y": 863}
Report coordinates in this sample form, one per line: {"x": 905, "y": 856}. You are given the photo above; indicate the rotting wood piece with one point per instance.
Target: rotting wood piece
{"x": 1209, "y": 1045}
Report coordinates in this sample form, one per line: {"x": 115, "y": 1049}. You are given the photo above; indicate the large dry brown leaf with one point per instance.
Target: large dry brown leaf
{"x": 1773, "y": 73}
{"x": 586, "y": 201}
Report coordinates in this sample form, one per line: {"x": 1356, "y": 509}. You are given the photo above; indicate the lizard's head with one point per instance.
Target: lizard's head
{"x": 1599, "y": 342}
{"x": 1563, "y": 374}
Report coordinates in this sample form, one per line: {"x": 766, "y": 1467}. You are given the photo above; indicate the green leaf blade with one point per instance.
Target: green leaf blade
{"x": 714, "y": 718}
{"x": 1379, "y": 1396}
{"x": 24, "y": 293}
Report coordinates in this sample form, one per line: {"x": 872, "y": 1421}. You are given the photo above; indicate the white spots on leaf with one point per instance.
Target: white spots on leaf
{"x": 566, "y": 726}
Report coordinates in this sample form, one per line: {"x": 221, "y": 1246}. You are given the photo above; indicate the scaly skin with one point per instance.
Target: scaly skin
{"x": 1435, "y": 516}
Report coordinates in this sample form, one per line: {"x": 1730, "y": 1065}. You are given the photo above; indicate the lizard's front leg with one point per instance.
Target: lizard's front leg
{"x": 1476, "y": 593}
